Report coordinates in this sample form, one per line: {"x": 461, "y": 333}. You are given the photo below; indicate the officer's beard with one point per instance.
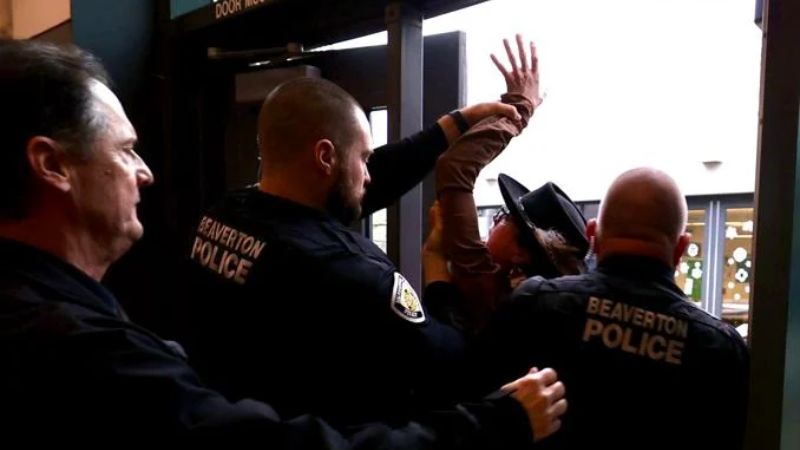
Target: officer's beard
{"x": 342, "y": 203}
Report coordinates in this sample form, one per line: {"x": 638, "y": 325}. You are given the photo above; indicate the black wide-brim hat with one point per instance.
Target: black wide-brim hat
{"x": 548, "y": 208}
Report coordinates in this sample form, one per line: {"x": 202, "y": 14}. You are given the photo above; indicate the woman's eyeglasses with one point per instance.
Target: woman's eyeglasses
{"x": 501, "y": 214}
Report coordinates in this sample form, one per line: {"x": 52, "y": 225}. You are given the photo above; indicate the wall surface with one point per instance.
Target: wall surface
{"x": 32, "y": 17}
{"x": 5, "y": 19}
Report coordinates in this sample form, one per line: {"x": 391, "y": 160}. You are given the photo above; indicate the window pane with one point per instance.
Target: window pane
{"x": 485, "y": 216}
{"x": 378, "y": 224}
{"x": 690, "y": 271}
{"x": 738, "y": 266}
{"x": 379, "y": 123}
{"x": 379, "y": 126}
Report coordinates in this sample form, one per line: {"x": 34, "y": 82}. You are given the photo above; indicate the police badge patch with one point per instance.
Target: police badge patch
{"x": 405, "y": 302}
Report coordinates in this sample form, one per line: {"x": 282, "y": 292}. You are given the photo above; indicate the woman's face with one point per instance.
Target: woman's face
{"x": 503, "y": 243}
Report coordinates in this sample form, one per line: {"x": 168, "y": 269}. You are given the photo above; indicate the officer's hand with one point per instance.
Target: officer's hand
{"x": 542, "y": 396}
{"x": 479, "y": 111}
{"x": 473, "y": 114}
{"x": 523, "y": 77}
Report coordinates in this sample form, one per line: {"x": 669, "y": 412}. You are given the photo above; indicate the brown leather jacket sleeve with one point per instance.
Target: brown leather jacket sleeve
{"x": 456, "y": 171}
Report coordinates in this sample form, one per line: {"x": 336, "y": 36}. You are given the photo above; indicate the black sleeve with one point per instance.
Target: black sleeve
{"x": 397, "y": 167}
{"x": 740, "y": 382}
{"x": 445, "y": 303}
{"x": 514, "y": 340}
{"x": 496, "y": 356}
{"x": 723, "y": 404}
{"x": 423, "y": 354}
{"x": 496, "y": 424}
{"x": 115, "y": 379}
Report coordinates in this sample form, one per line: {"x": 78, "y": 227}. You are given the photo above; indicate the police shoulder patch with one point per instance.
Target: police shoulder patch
{"x": 405, "y": 302}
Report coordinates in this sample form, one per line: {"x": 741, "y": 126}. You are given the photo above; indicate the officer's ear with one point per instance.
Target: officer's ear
{"x": 49, "y": 162}
{"x": 325, "y": 156}
{"x": 591, "y": 233}
{"x": 680, "y": 248}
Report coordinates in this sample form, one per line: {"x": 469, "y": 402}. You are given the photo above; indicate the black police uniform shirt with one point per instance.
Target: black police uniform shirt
{"x": 74, "y": 369}
{"x": 294, "y": 308}
{"x": 643, "y": 367}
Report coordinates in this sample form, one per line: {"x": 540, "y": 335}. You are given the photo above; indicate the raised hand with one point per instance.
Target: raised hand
{"x": 523, "y": 77}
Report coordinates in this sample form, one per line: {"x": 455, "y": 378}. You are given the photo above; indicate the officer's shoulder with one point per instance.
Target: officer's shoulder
{"x": 709, "y": 326}
{"x": 541, "y": 285}
{"x": 282, "y": 227}
{"x": 32, "y": 310}
{"x": 538, "y": 294}
{"x": 320, "y": 239}
{"x": 230, "y": 201}
{"x": 26, "y": 294}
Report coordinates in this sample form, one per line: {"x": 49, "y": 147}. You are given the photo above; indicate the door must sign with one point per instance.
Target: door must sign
{"x": 225, "y": 8}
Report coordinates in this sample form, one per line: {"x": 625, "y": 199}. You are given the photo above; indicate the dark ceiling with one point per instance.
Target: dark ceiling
{"x": 308, "y": 22}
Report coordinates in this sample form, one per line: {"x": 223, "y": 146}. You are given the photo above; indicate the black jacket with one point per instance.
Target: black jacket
{"x": 643, "y": 367}
{"x": 296, "y": 309}
{"x": 72, "y": 367}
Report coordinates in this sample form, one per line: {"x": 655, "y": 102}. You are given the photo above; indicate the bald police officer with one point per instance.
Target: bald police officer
{"x": 646, "y": 369}
{"x": 287, "y": 289}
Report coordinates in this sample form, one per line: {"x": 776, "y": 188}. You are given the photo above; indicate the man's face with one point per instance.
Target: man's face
{"x": 106, "y": 187}
{"x": 352, "y": 175}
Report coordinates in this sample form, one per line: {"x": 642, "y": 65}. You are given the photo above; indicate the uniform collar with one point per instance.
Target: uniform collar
{"x": 630, "y": 266}
{"x": 267, "y": 204}
{"x": 69, "y": 283}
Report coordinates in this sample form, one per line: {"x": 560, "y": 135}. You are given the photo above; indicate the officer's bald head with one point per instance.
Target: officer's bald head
{"x": 299, "y": 113}
{"x": 643, "y": 212}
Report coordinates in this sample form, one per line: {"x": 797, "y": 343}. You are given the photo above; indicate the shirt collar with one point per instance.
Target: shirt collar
{"x": 632, "y": 266}
{"x": 67, "y": 281}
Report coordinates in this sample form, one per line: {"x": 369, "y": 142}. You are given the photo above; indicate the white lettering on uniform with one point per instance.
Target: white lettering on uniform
{"x": 670, "y": 327}
{"x": 205, "y": 253}
{"x": 242, "y": 271}
{"x": 683, "y": 329}
{"x": 257, "y": 247}
{"x": 231, "y": 238}
{"x": 248, "y": 244}
{"x": 626, "y": 342}
{"x": 238, "y": 245}
{"x": 661, "y": 319}
{"x": 643, "y": 343}
{"x": 593, "y": 328}
{"x": 649, "y": 317}
{"x": 616, "y": 313}
{"x": 227, "y": 252}
{"x": 652, "y": 352}
{"x": 213, "y": 265}
{"x": 196, "y": 246}
{"x": 225, "y": 265}
{"x": 637, "y": 317}
{"x": 674, "y": 352}
{"x": 605, "y": 307}
{"x": 617, "y": 336}
{"x": 625, "y": 330}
